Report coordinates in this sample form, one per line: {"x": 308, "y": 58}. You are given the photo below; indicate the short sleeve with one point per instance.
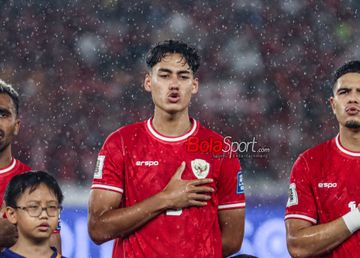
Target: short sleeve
{"x": 230, "y": 186}
{"x": 301, "y": 202}
{"x": 109, "y": 170}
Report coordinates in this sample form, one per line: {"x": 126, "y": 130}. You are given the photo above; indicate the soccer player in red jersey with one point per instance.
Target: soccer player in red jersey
{"x": 322, "y": 215}
{"x": 9, "y": 166}
{"x": 153, "y": 195}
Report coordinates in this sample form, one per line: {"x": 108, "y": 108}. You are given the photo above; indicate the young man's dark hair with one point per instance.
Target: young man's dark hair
{"x": 165, "y": 201}
{"x": 190, "y": 54}
{"x": 9, "y": 90}
{"x": 349, "y": 67}
{"x": 30, "y": 180}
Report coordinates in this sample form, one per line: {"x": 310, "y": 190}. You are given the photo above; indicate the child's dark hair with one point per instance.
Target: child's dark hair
{"x": 158, "y": 52}
{"x": 350, "y": 67}
{"x": 30, "y": 180}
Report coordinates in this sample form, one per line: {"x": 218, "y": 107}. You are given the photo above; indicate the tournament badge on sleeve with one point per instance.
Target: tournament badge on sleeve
{"x": 99, "y": 167}
{"x": 293, "y": 197}
{"x": 200, "y": 168}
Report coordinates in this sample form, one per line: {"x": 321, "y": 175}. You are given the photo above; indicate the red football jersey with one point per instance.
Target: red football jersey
{"x": 138, "y": 162}
{"x": 16, "y": 167}
{"x": 324, "y": 185}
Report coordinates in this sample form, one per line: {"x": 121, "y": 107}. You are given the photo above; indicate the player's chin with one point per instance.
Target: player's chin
{"x": 42, "y": 236}
{"x": 173, "y": 108}
{"x": 173, "y": 111}
{"x": 353, "y": 124}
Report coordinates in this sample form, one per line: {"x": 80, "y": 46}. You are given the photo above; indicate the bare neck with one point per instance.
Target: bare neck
{"x": 29, "y": 248}
{"x": 5, "y": 157}
{"x": 171, "y": 124}
{"x": 350, "y": 139}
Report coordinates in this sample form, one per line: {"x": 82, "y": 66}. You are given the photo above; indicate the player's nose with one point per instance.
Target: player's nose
{"x": 44, "y": 213}
{"x": 174, "y": 83}
{"x": 354, "y": 97}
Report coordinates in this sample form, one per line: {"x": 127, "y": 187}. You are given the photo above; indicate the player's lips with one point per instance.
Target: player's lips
{"x": 352, "y": 110}
{"x": 43, "y": 227}
{"x": 174, "y": 97}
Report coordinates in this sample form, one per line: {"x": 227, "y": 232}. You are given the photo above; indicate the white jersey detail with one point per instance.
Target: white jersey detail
{"x": 342, "y": 149}
{"x": 171, "y": 139}
{"x": 107, "y": 187}
{"x": 298, "y": 216}
{"x": 234, "y": 205}
{"x": 10, "y": 167}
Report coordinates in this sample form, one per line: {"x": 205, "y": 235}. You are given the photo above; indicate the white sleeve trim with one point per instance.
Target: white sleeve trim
{"x": 234, "y": 205}
{"x": 298, "y": 216}
{"x": 108, "y": 187}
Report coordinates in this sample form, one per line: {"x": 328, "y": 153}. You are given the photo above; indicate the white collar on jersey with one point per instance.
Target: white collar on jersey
{"x": 342, "y": 149}
{"x": 10, "y": 167}
{"x": 171, "y": 139}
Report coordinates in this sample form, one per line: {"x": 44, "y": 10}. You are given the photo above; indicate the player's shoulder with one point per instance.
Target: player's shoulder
{"x": 14, "y": 168}
{"x": 127, "y": 130}
{"x": 318, "y": 151}
{"x": 22, "y": 166}
{"x": 7, "y": 253}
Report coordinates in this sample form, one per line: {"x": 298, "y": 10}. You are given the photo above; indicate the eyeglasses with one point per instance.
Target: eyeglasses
{"x": 36, "y": 210}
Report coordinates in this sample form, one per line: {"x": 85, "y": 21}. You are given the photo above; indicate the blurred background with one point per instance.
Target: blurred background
{"x": 266, "y": 66}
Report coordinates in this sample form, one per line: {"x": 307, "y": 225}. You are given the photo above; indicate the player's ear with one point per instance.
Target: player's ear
{"x": 11, "y": 215}
{"x": 332, "y": 104}
{"x": 195, "y": 86}
{"x": 17, "y": 126}
{"x": 147, "y": 82}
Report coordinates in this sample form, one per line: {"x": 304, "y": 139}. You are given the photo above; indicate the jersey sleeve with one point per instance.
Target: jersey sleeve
{"x": 230, "y": 186}
{"x": 109, "y": 170}
{"x": 301, "y": 202}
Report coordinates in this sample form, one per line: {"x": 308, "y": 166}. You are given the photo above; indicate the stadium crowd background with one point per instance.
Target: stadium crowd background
{"x": 265, "y": 73}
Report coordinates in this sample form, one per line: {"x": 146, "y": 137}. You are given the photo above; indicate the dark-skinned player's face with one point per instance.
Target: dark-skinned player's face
{"x": 9, "y": 122}
{"x": 171, "y": 83}
{"x": 346, "y": 100}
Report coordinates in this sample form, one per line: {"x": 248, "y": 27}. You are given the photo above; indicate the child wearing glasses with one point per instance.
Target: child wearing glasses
{"x": 33, "y": 203}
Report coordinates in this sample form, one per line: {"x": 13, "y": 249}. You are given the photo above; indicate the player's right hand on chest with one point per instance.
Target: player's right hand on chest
{"x": 181, "y": 193}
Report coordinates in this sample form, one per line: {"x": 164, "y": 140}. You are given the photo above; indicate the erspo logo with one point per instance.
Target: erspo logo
{"x": 327, "y": 185}
{"x": 147, "y": 163}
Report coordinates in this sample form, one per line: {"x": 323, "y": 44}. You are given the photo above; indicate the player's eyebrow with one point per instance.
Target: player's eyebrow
{"x": 165, "y": 70}
{"x": 183, "y": 71}
{"x": 343, "y": 88}
{"x": 39, "y": 201}
{"x": 347, "y": 89}
{"x": 5, "y": 110}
